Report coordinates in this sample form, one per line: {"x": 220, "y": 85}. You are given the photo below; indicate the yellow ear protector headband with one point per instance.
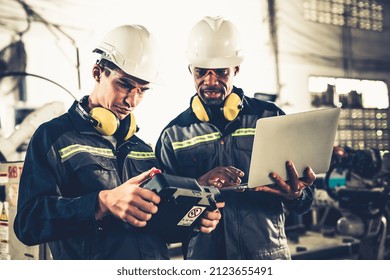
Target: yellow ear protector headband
{"x": 104, "y": 121}
{"x": 231, "y": 107}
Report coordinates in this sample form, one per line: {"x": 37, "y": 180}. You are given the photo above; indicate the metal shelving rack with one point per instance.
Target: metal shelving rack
{"x": 362, "y": 128}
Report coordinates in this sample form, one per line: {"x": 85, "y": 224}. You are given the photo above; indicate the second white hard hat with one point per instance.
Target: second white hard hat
{"x": 214, "y": 43}
{"x": 133, "y": 49}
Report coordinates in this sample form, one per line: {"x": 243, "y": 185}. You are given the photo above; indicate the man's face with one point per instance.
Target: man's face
{"x": 120, "y": 93}
{"x": 213, "y": 85}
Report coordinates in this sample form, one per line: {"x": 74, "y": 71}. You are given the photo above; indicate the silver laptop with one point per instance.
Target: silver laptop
{"x": 305, "y": 138}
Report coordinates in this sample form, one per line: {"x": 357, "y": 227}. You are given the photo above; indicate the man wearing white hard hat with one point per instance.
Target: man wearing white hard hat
{"x": 211, "y": 141}
{"x": 80, "y": 187}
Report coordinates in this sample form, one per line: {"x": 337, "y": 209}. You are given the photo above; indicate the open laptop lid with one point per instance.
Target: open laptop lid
{"x": 305, "y": 138}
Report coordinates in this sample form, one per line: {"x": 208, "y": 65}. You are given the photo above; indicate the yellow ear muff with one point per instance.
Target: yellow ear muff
{"x": 108, "y": 123}
{"x": 232, "y": 106}
{"x": 198, "y": 109}
{"x": 132, "y": 129}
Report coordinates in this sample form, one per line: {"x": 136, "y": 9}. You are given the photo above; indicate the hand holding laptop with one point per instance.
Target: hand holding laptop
{"x": 293, "y": 187}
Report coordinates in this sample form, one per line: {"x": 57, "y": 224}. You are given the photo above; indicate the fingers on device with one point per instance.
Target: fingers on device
{"x": 183, "y": 201}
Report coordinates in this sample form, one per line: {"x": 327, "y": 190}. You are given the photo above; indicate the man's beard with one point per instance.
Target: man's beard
{"x": 212, "y": 97}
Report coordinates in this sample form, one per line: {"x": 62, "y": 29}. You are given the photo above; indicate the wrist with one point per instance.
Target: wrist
{"x": 102, "y": 209}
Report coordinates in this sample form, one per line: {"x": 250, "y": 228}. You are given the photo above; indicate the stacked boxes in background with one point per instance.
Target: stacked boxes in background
{"x": 10, "y": 247}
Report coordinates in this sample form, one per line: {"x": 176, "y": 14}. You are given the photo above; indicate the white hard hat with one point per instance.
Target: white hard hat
{"x": 214, "y": 43}
{"x": 133, "y": 49}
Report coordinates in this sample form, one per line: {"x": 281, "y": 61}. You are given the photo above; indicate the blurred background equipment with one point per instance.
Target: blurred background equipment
{"x": 18, "y": 19}
{"x": 26, "y": 120}
{"x": 13, "y": 58}
{"x": 351, "y": 210}
{"x": 9, "y": 146}
{"x": 363, "y": 200}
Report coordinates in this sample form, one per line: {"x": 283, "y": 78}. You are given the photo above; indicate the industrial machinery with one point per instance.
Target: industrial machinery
{"x": 358, "y": 181}
{"x": 29, "y": 123}
{"x": 350, "y": 212}
{"x": 9, "y": 146}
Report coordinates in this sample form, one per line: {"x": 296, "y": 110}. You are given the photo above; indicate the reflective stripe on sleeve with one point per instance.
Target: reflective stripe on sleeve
{"x": 69, "y": 151}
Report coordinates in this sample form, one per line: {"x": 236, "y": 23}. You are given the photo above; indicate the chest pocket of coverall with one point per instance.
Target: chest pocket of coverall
{"x": 93, "y": 172}
{"x": 196, "y": 161}
{"x": 140, "y": 165}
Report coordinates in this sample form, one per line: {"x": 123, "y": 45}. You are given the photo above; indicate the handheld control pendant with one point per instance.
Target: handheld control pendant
{"x": 183, "y": 201}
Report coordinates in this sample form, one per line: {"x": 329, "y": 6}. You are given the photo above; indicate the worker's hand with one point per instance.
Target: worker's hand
{"x": 292, "y": 188}
{"x": 129, "y": 202}
{"x": 210, "y": 219}
{"x": 221, "y": 176}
